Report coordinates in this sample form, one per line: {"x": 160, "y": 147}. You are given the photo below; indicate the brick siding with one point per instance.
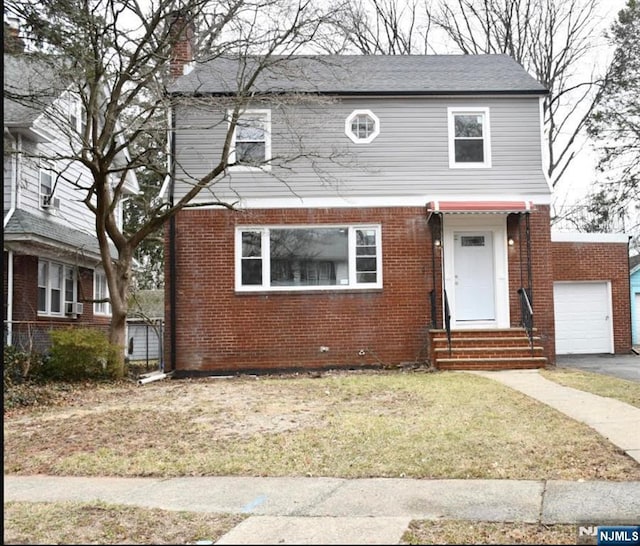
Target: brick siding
{"x": 221, "y": 331}
{"x": 580, "y": 261}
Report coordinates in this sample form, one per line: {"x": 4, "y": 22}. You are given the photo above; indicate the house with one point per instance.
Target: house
{"x": 634, "y": 276}
{"x": 390, "y": 210}
{"x": 51, "y": 257}
{"x": 144, "y": 326}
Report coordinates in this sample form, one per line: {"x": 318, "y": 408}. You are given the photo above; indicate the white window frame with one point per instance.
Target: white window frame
{"x": 353, "y": 284}
{"x": 354, "y": 137}
{"x": 100, "y": 291}
{"x": 486, "y": 137}
{"x": 45, "y": 171}
{"x": 266, "y": 166}
{"x": 77, "y": 113}
{"x": 65, "y": 269}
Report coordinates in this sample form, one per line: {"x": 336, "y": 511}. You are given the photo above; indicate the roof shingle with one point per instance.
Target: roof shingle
{"x": 366, "y": 74}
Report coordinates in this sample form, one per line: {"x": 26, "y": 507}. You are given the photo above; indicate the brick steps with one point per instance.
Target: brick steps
{"x": 526, "y": 363}
{"x": 492, "y": 349}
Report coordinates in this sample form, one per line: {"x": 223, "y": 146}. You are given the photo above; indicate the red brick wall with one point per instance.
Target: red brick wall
{"x": 541, "y": 273}
{"x": 221, "y": 330}
{"x": 600, "y": 262}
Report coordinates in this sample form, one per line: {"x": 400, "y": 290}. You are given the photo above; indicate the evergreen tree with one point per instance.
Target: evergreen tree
{"x": 615, "y": 125}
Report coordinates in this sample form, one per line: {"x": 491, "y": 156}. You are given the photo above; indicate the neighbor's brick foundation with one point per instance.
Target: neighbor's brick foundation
{"x": 221, "y": 331}
{"x": 29, "y": 329}
{"x": 579, "y": 261}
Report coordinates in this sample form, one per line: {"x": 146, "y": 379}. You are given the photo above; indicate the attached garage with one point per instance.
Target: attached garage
{"x": 583, "y": 317}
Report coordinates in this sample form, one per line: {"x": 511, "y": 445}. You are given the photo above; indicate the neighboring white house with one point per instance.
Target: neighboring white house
{"x": 52, "y": 264}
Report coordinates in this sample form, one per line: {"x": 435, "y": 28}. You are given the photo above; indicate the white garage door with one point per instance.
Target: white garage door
{"x": 583, "y": 317}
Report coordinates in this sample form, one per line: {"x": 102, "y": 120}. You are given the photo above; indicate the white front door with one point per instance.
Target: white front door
{"x": 474, "y": 276}
{"x": 475, "y": 270}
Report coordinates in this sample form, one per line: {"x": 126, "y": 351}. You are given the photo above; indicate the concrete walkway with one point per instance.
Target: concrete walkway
{"x": 379, "y": 510}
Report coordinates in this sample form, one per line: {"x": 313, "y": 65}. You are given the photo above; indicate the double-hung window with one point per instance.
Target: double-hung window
{"x": 251, "y": 141}
{"x": 46, "y": 188}
{"x": 308, "y": 258}
{"x": 100, "y": 294}
{"x": 77, "y": 114}
{"x": 469, "y": 138}
{"x": 57, "y": 286}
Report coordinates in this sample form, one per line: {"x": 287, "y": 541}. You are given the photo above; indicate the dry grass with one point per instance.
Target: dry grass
{"x": 465, "y": 532}
{"x": 440, "y": 425}
{"x": 603, "y": 385}
{"x": 100, "y": 523}
{"x": 351, "y": 425}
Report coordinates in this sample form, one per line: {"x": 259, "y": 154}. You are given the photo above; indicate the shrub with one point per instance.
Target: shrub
{"x": 19, "y": 366}
{"x": 80, "y": 353}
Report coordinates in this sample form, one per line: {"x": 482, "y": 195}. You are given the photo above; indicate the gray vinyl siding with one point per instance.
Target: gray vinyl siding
{"x": 7, "y": 178}
{"x": 72, "y": 212}
{"x": 409, "y": 157}
{"x": 144, "y": 339}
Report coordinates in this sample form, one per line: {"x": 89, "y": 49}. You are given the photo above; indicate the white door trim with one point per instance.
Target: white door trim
{"x": 497, "y": 224}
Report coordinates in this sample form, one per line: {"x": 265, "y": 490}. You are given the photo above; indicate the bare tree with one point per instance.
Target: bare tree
{"x": 378, "y": 27}
{"x": 552, "y": 40}
{"x": 114, "y": 56}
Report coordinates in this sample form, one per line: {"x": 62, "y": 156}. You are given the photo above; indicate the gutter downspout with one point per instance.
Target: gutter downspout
{"x": 15, "y": 176}
{"x": 10, "y": 298}
{"x": 172, "y": 248}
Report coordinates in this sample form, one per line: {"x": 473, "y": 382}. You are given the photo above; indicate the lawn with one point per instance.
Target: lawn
{"x": 603, "y": 385}
{"x": 100, "y": 523}
{"x": 337, "y": 424}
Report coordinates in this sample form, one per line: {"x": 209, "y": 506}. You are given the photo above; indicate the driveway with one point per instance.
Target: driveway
{"x": 622, "y": 366}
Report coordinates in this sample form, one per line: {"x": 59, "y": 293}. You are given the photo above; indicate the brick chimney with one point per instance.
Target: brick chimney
{"x": 13, "y": 43}
{"x": 181, "y": 34}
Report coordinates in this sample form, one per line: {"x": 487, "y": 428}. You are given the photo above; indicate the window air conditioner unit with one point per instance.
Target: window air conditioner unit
{"x": 73, "y": 308}
{"x": 50, "y": 202}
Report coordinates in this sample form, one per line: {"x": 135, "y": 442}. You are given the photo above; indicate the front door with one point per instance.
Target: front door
{"x": 474, "y": 284}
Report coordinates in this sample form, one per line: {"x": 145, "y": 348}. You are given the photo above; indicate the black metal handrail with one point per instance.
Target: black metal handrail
{"x": 447, "y": 320}
{"x": 526, "y": 312}
{"x": 434, "y": 318}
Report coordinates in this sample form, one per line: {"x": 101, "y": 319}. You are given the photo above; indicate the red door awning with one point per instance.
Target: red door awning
{"x": 480, "y": 206}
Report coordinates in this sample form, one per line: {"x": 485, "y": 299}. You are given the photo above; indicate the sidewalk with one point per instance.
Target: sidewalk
{"x": 379, "y": 510}
{"x": 339, "y": 511}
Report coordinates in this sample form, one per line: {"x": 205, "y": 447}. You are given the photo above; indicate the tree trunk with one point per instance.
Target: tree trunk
{"x": 117, "y": 338}
{"x": 119, "y": 295}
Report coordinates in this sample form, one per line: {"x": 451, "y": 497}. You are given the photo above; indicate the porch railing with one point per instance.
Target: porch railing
{"x": 434, "y": 318}
{"x": 447, "y": 320}
{"x": 526, "y": 312}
